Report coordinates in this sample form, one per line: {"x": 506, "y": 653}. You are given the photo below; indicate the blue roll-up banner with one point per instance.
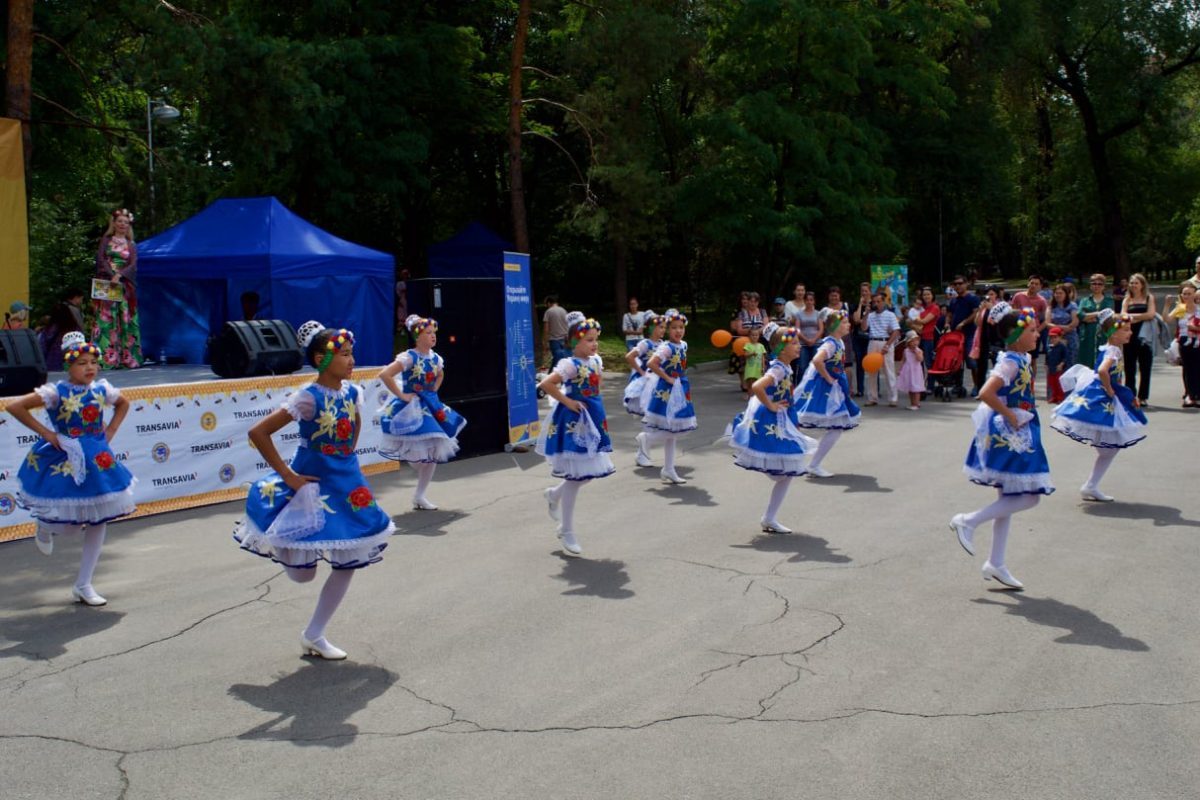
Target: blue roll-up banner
{"x": 523, "y": 424}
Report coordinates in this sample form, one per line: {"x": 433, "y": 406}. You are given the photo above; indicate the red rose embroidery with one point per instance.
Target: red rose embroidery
{"x": 594, "y": 379}
{"x": 361, "y": 498}
{"x": 683, "y": 364}
{"x": 440, "y": 415}
{"x": 345, "y": 429}
{"x": 604, "y": 425}
{"x": 104, "y": 460}
{"x": 75, "y": 432}
{"x": 430, "y": 377}
{"x": 328, "y": 449}
{"x": 687, "y": 396}
{"x": 90, "y": 413}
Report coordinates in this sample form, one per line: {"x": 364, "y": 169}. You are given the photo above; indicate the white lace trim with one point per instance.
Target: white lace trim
{"x": 428, "y": 447}
{"x": 580, "y": 467}
{"x": 289, "y": 553}
{"x": 674, "y": 425}
{"x": 1011, "y": 482}
{"x": 771, "y": 464}
{"x": 48, "y": 393}
{"x": 100, "y": 508}
{"x": 1100, "y": 435}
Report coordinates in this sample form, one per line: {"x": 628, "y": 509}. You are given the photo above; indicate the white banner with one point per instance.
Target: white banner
{"x": 187, "y": 445}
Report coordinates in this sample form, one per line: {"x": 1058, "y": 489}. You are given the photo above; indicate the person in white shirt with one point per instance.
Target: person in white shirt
{"x": 632, "y": 324}
{"x": 883, "y": 329}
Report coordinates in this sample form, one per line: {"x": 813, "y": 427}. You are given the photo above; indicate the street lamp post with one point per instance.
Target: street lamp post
{"x": 156, "y": 110}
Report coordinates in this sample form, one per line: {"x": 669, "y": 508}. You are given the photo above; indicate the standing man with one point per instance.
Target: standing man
{"x": 1032, "y": 298}
{"x": 883, "y": 329}
{"x": 858, "y": 318}
{"x": 632, "y": 324}
{"x": 554, "y": 331}
{"x": 961, "y": 309}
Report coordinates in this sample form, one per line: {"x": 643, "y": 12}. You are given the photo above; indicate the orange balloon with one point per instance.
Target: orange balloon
{"x": 872, "y": 362}
{"x": 739, "y": 345}
{"x": 720, "y": 338}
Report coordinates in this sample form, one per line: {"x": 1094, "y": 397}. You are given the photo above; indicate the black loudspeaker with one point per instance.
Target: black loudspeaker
{"x": 487, "y": 424}
{"x": 255, "y": 347}
{"x": 22, "y": 365}
{"x": 471, "y": 333}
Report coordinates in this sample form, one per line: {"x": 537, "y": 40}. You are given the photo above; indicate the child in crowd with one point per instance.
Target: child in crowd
{"x": 70, "y": 481}
{"x": 912, "y": 371}
{"x": 765, "y": 436}
{"x": 670, "y": 413}
{"x": 1006, "y": 451}
{"x": 1101, "y": 411}
{"x": 641, "y": 379}
{"x": 1056, "y": 365}
{"x": 574, "y": 439}
{"x": 756, "y": 357}
{"x": 417, "y": 427}
{"x": 823, "y": 397}
{"x": 318, "y": 506}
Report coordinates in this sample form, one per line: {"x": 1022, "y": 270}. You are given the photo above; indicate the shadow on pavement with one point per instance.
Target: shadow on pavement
{"x": 854, "y": 483}
{"x": 801, "y": 546}
{"x": 45, "y": 636}
{"x": 425, "y": 523}
{"x": 687, "y": 495}
{"x": 1161, "y": 516}
{"x": 604, "y": 578}
{"x": 314, "y": 702}
{"x": 1082, "y": 625}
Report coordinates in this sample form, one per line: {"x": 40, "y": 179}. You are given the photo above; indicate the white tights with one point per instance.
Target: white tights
{"x": 330, "y": 598}
{"x": 93, "y": 543}
{"x": 778, "y": 493}
{"x": 669, "y": 454}
{"x": 827, "y": 442}
{"x": 1104, "y": 459}
{"x": 424, "y": 476}
{"x": 1001, "y": 512}
{"x": 565, "y": 494}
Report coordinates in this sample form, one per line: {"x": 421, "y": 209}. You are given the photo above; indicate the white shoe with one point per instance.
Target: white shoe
{"x": 1093, "y": 493}
{"x": 914, "y": 408}
{"x": 46, "y": 546}
{"x": 964, "y": 532}
{"x": 643, "y": 457}
{"x": 1001, "y": 575}
{"x": 818, "y": 472}
{"x": 422, "y": 504}
{"x": 87, "y": 595}
{"x": 570, "y": 544}
{"x": 671, "y": 477}
{"x": 321, "y": 647}
{"x": 771, "y": 526}
{"x": 551, "y": 504}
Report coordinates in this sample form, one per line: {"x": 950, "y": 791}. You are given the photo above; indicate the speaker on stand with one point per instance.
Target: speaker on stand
{"x": 255, "y": 347}
{"x": 22, "y": 364}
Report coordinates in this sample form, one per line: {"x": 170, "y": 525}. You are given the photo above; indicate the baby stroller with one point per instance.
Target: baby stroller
{"x": 947, "y": 370}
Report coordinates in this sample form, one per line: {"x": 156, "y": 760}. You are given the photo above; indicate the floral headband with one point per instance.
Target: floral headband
{"x": 123, "y": 212}
{"x": 674, "y": 314}
{"x": 74, "y": 345}
{"x": 343, "y": 338}
{"x": 1111, "y": 321}
{"x": 833, "y": 318}
{"x": 1025, "y": 318}
{"x": 581, "y": 329}
{"x": 786, "y": 337}
{"x": 418, "y": 324}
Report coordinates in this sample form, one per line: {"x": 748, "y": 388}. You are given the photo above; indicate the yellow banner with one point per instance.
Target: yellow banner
{"x": 14, "y": 224}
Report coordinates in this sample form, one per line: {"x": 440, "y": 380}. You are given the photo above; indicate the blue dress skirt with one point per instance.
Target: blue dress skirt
{"x": 770, "y": 441}
{"x": 669, "y": 408}
{"x": 577, "y": 445}
{"x": 423, "y": 430}
{"x": 1012, "y": 460}
{"x": 83, "y": 483}
{"x": 336, "y": 519}
{"x": 1090, "y": 416}
{"x": 639, "y": 386}
{"x": 820, "y": 404}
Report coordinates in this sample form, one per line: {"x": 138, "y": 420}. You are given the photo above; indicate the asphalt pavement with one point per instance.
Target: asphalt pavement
{"x": 687, "y": 655}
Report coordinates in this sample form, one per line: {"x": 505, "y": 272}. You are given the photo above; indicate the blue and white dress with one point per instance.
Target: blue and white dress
{"x": 639, "y": 386}
{"x": 1011, "y": 460}
{"x": 670, "y": 407}
{"x": 1090, "y": 416}
{"x": 577, "y": 445}
{"x": 770, "y": 441}
{"x": 83, "y": 483}
{"x": 422, "y": 430}
{"x": 820, "y": 404}
{"x": 336, "y": 519}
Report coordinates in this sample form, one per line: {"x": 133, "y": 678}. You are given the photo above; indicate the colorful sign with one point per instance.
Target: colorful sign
{"x": 14, "y": 228}
{"x": 892, "y": 280}
{"x": 523, "y": 424}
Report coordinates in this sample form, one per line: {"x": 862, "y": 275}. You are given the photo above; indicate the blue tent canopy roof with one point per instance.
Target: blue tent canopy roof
{"x": 474, "y": 252}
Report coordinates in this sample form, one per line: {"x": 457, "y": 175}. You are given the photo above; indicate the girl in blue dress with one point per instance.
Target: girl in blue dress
{"x": 318, "y": 506}
{"x": 641, "y": 379}
{"x": 70, "y": 481}
{"x": 417, "y": 427}
{"x": 823, "y": 396}
{"x": 765, "y": 436}
{"x": 574, "y": 439}
{"x": 1101, "y": 410}
{"x": 669, "y": 412}
{"x": 1006, "y": 451}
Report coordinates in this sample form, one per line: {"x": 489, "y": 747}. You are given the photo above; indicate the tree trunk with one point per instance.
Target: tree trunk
{"x": 1045, "y": 143}
{"x": 516, "y": 178}
{"x": 19, "y": 83}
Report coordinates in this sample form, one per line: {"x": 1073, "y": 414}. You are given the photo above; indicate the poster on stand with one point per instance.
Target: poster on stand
{"x": 892, "y": 280}
{"x": 523, "y": 425}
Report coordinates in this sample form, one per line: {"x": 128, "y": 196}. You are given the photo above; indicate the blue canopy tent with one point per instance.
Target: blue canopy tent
{"x": 191, "y": 278}
{"x": 473, "y": 252}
